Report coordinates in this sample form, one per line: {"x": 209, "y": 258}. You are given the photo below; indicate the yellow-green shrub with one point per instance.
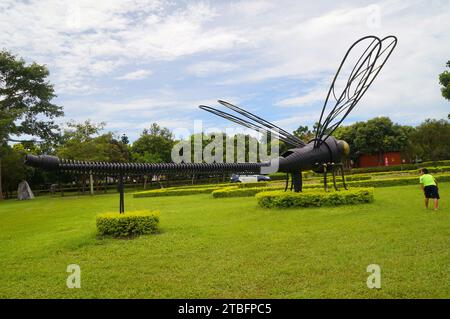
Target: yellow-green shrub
{"x": 128, "y": 224}
{"x": 196, "y": 189}
{"x": 402, "y": 167}
{"x": 175, "y": 192}
{"x": 386, "y": 182}
{"x": 413, "y": 180}
{"x": 251, "y": 185}
{"x": 351, "y": 178}
{"x": 240, "y": 192}
{"x": 308, "y": 198}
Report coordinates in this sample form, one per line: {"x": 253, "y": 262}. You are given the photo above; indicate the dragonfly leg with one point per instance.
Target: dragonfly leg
{"x": 333, "y": 172}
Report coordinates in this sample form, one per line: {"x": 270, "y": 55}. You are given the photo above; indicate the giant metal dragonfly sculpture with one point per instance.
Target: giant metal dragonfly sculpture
{"x": 323, "y": 154}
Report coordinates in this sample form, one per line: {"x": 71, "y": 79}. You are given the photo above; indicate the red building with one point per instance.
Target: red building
{"x": 387, "y": 159}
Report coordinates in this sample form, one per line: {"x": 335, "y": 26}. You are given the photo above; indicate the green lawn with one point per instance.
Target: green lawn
{"x": 228, "y": 248}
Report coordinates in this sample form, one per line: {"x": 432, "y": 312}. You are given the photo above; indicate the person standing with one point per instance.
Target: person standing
{"x": 429, "y": 187}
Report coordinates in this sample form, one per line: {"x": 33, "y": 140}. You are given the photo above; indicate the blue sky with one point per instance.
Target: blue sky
{"x": 131, "y": 63}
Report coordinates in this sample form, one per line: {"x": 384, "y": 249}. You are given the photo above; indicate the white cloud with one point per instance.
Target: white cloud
{"x": 254, "y": 49}
{"x": 88, "y": 39}
{"x": 206, "y": 68}
{"x": 135, "y": 75}
{"x": 306, "y": 99}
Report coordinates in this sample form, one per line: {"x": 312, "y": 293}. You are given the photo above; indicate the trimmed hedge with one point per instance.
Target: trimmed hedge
{"x": 386, "y": 182}
{"x": 192, "y": 190}
{"x": 403, "y": 167}
{"x": 315, "y": 198}
{"x": 241, "y": 192}
{"x": 175, "y": 192}
{"x": 282, "y": 176}
{"x": 438, "y": 169}
{"x": 250, "y": 185}
{"x": 414, "y": 180}
{"x": 199, "y": 186}
{"x": 435, "y": 163}
{"x": 433, "y": 170}
{"x": 128, "y": 224}
{"x": 250, "y": 189}
{"x": 355, "y": 178}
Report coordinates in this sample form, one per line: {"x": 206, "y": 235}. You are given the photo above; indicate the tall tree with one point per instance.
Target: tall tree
{"x": 154, "y": 145}
{"x": 376, "y": 136}
{"x": 444, "y": 80}
{"x": 83, "y": 141}
{"x": 304, "y": 133}
{"x": 25, "y": 101}
{"x": 431, "y": 139}
{"x": 14, "y": 171}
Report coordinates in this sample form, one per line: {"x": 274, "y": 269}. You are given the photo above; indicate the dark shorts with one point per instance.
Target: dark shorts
{"x": 431, "y": 191}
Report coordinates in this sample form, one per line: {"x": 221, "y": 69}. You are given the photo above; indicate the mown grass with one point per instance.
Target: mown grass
{"x": 228, "y": 248}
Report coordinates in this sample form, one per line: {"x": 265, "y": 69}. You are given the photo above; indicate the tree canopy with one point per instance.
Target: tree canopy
{"x": 304, "y": 133}
{"x": 25, "y": 104}
{"x": 431, "y": 140}
{"x": 25, "y": 99}
{"x": 83, "y": 141}
{"x": 376, "y": 136}
{"x": 154, "y": 145}
{"x": 444, "y": 80}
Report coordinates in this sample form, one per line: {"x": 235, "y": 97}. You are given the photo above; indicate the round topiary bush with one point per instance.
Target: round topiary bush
{"x": 314, "y": 198}
{"x": 128, "y": 224}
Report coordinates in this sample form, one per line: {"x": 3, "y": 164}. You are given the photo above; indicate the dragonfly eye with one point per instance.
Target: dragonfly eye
{"x": 344, "y": 147}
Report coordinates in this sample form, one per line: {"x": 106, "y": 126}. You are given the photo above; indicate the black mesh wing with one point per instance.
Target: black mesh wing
{"x": 258, "y": 124}
{"x": 360, "y": 66}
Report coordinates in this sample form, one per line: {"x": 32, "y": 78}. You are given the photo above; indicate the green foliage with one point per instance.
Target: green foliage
{"x": 437, "y": 169}
{"x": 393, "y": 168}
{"x": 304, "y": 133}
{"x": 436, "y": 163}
{"x": 282, "y": 176}
{"x": 431, "y": 140}
{"x": 25, "y": 96}
{"x": 251, "y": 185}
{"x": 198, "y": 189}
{"x": 308, "y": 198}
{"x": 400, "y": 168}
{"x": 357, "y": 178}
{"x": 178, "y": 191}
{"x": 12, "y": 168}
{"x": 356, "y": 181}
{"x": 444, "y": 80}
{"x": 82, "y": 141}
{"x": 235, "y": 246}
{"x": 200, "y": 186}
{"x": 278, "y": 176}
{"x": 240, "y": 192}
{"x": 246, "y": 147}
{"x": 153, "y": 146}
{"x": 387, "y": 182}
{"x": 128, "y": 224}
{"x": 375, "y": 136}
{"x": 25, "y": 106}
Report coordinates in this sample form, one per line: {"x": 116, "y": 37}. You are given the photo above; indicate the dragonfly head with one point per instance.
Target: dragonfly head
{"x": 344, "y": 148}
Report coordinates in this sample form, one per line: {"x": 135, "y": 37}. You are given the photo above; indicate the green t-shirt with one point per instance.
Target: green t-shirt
{"x": 427, "y": 180}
